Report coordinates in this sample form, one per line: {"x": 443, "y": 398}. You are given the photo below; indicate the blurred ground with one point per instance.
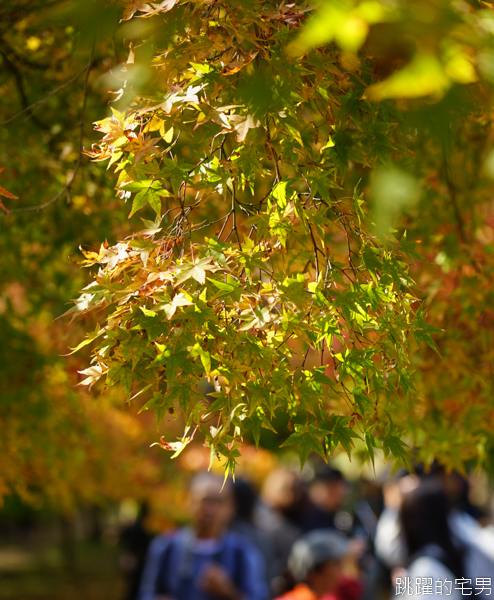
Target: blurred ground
{"x": 41, "y": 570}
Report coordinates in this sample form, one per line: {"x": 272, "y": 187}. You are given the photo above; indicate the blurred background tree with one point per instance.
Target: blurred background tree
{"x": 55, "y": 448}
{"x": 434, "y": 61}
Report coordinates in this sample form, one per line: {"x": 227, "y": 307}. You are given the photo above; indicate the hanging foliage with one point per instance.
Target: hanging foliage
{"x": 260, "y": 271}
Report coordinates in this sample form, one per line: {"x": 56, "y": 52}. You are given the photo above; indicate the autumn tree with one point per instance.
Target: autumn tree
{"x": 276, "y": 154}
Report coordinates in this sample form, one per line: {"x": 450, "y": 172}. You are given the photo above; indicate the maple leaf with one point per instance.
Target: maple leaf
{"x": 92, "y": 375}
{"x": 197, "y": 271}
{"x": 99, "y": 153}
{"x": 306, "y": 442}
{"x": 113, "y": 127}
{"x": 392, "y": 444}
{"x": 7, "y": 194}
{"x": 114, "y": 255}
{"x": 152, "y": 227}
{"x": 175, "y": 447}
{"x": 130, "y": 11}
{"x": 339, "y": 432}
{"x": 143, "y": 146}
{"x": 164, "y": 6}
{"x": 243, "y": 124}
{"x": 237, "y": 65}
{"x": 91, "y": 337}
{"x": 171, "y": 308}
{"x": 181, "y": 96}
{"x": 281, "y": 187}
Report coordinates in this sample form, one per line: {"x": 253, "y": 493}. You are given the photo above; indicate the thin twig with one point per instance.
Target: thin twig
{"x": 227, "y": 217}
{"x": 452, "y": 196}
{"x": 68, "y": 185}
{"x": 316, "y": 260}
{"x": 275, "y": 157}
{"x": 234, "y": 224}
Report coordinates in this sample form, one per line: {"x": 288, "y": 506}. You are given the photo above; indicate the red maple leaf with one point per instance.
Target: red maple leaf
{"x": 6, "y": 193}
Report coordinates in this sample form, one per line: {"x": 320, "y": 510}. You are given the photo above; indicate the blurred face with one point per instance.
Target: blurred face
{"x": 325, "y": 578}
{"x": 329, "y": 496}
{"x": 283, "y": 491}
{"x": 212, "y": 509}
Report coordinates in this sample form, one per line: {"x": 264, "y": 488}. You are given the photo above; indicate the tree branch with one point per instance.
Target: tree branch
{"x": 66, "y": 188}
{"x": 452, "y": 196}
{"x": 14, "y": 71}
{"x": 316, "y": 260}
{"x": 45, "y": 99}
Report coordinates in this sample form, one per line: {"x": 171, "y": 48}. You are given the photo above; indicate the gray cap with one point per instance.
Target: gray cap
{"x": 314, "y": 549}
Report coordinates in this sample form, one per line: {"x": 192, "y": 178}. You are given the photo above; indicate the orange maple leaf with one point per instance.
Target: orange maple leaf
{"x": 7, "y": 194}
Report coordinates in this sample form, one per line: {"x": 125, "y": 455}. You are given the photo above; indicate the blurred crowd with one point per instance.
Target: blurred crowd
{"x": 412, "y": 536}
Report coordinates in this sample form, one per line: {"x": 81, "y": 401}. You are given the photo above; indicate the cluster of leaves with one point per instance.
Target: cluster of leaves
{"x": 260, "y": 272}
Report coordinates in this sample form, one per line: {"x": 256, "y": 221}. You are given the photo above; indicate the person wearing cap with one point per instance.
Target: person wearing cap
{"x": 317, "y": 564}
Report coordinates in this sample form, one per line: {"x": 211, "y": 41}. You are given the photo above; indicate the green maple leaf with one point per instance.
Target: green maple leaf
{"x": 138, "y": 349}
{"x": 339, "y": 432}
{"x": 256, "y": 422}
{"x": 370, "y": 444}
{"x": 306, "y": 443}
{"x": 424, "y": 332}
{"x": 126, "y": 379}
{"x": 370, "y": 258}
{"x": 159, "y": 413}
{"x": 394, "y": 445}
{"x": 205, "y": 357}
{"x": 121, "y": 372}
{"x": 148, "y": 192}
{"x": 155, "y": 401}
{"x": 183, "y": 393}
{"x": 408, "y": 248}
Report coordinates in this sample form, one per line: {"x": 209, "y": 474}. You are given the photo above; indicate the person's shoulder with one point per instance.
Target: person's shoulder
{"x": 236, "y": 538}
{"x": 433, "y": 569}
{"x": 477, "y": 561}
{"x": 163, "y": 540}
{"x": 233, "y": 539}
{"x": 428, "y": 566}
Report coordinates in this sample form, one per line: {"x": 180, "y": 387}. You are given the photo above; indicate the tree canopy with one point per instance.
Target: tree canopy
{"x": 281, "y": 163}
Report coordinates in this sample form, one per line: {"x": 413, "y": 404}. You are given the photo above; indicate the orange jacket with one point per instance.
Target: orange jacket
{"x": 349, "y": 588}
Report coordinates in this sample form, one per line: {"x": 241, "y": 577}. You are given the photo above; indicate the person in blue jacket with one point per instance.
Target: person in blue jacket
{"x": 205, "y": 561}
